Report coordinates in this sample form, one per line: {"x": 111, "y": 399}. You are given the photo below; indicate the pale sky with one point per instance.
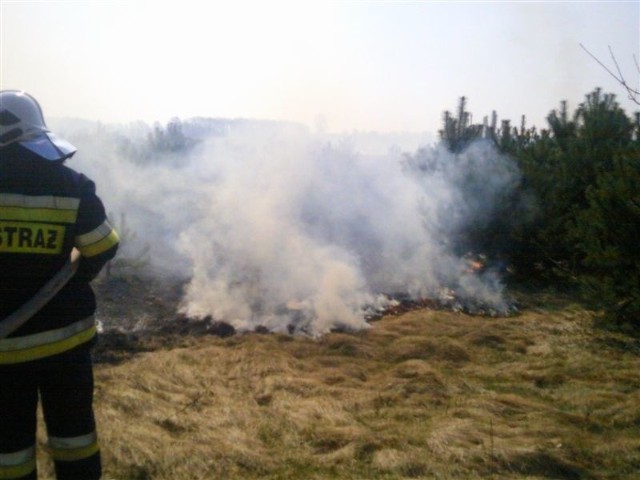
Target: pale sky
{"x": 380, "y": 66}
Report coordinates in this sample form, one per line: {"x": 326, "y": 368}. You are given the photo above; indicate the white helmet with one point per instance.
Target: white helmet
{"x": 21, "y": 121}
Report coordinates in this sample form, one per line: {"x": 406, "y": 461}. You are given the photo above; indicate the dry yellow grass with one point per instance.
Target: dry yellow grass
{"x": 426, "y": 394}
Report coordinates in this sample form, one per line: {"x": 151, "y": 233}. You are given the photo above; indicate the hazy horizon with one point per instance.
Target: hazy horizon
{"x": 339, "y": 66}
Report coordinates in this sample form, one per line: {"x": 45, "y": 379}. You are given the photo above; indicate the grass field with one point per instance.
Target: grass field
{"x": 423, "y": 395}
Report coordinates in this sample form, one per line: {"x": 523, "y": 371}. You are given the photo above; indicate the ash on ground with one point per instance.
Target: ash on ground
{"x": 141, "y": 313}
{"x": 446, "y": 299}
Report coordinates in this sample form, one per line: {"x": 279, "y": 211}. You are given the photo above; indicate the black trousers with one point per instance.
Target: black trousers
{"x": 64, "y": 384}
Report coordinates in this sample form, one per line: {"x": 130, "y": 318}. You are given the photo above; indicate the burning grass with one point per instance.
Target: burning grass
{"x": 424, "y": 394}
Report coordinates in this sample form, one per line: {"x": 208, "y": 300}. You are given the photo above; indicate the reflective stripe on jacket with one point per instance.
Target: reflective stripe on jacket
{"x": 47, "y": 343}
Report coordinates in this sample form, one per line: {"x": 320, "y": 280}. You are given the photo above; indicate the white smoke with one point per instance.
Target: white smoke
{"x": 281, "y": 228}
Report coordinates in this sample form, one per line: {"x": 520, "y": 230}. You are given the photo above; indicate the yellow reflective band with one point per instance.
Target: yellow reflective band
{"x": 45, "y": 344}
{"x": 74, "y": 448}
{"x": 95, "y": 235}
{"x": 17, "y": 471}
{"x": 19, "y": 237}
{"x": 49, "y": 336}
{"x": 38, "y": 214}
{"x": 38, "y": 201}
{"x": 40, "y": 208}
{"x": 75, "y": 454}
{"x": 103, "y": 245}
{"x": 17, "y": 464}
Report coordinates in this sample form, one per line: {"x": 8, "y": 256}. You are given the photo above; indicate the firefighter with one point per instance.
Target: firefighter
{"x": 46, "y": 210}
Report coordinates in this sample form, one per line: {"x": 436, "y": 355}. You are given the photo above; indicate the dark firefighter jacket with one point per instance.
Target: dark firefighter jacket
{"x": 47, "y": 209}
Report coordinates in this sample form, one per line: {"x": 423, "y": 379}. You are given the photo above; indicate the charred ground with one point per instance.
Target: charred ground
{"x": 141, "y": 313}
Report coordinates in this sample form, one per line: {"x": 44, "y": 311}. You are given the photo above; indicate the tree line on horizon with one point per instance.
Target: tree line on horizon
{"x": 573, "y": 219}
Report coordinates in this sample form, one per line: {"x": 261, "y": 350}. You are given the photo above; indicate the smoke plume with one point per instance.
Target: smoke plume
{"x": 281, "y": 228}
